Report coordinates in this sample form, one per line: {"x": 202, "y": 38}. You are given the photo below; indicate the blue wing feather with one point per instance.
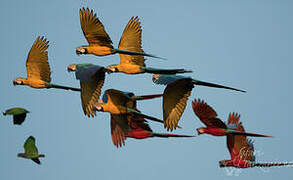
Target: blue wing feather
{"x": 167, "y": 79}
{"x": 84, "y": 72}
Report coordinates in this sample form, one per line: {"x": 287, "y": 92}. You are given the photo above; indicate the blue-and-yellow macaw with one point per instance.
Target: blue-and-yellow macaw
{"x": 176, "y": 95}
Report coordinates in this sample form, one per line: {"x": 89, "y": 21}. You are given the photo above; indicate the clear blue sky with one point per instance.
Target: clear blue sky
{"x": 243, "y": 44}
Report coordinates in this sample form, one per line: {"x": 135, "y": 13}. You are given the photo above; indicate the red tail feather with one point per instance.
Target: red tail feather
{"x": 250, "y": 134}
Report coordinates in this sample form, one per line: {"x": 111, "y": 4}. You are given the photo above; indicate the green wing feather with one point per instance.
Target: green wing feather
{"x": 174, "y": 101}
{"x": 15, "y": 111}
{"x": 30, "y": 148}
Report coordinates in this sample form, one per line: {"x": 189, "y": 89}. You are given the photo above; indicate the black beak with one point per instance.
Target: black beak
{"x": 77, "y": 52}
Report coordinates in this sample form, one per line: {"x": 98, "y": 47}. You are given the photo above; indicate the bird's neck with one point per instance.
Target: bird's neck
{"x": 25, "y": 81}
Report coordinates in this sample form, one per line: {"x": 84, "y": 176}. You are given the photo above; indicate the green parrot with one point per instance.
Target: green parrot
{"x": 19, "y": 114}
{"x": 31, "y": 151}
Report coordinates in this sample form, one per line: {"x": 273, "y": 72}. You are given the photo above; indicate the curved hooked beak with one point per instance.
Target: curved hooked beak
{"x": 77, "y": 52}
{"x": 17, "y": 82}
{"x": 155, "y": 78}
{"x": 112, "y": 69}
{"x": 71, "y": 67}
{"x": 199, "y": 131}
{"x": 81, "y": 50}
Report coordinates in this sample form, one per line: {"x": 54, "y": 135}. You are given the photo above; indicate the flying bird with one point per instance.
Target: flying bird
{"x": 91, "y": 79}
{"x": 31, "y": 151}
{"x": 100, "y": 43}
{"x": 139, "y": 129}
{"x": 121, "y": 105}
{"x": 216, "y": 126}
{"x": 135, "y": 64}
{"x": 242, "y": 151}
{"x": 134, "y": 126}
{"x": 118, "y": 102}
{"x": 18, "y": 114}
{"x": 176, "y": 95}
{"x": 38, "y": 69}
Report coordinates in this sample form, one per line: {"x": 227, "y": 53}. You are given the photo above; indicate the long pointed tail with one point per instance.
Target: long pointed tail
{"x": 145, "y": 97}
{"x": 202, "y": 83}
{"x": 63, "y": 87}
{"x": 273, "y": 164}
{"x": 165, "y": 71}
{"x": 249, "y": 134}
{"x": 164, "y": 135}
{"x": 147, "y": 117}
{"x": 120, "y": 51}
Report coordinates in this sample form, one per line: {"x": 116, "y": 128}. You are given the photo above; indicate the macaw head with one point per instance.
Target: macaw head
{"x": 18, "y": 81}
{"x": 224, "y": 163}
{"x": 99, "y": 106}
{"x": 71, "y": 67}
{"x": 112, "y": 68}
{"x": 81, "y": 50}
{"x": 155, "y": 77}
{"x": 200, "y": 130}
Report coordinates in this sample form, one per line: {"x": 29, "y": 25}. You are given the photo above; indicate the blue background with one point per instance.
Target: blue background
{"x": 243, "y": 44}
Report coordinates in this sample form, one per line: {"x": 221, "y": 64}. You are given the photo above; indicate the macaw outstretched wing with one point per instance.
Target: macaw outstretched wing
{"x": 37, "y": 65}
{"x": 93, "y": 29}
{"x": 119, "y": 129}
{"x": 174, "y": 101}
{"x": 207, "y": 114}
{"x": 131, "y": 41}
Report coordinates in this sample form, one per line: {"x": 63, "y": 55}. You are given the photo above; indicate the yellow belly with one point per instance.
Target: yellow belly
{"x": 130, "y": 69}
{"x": 36, "y": 83}
{"x": 114, "y": 109}
{"x": 99, "y": 50}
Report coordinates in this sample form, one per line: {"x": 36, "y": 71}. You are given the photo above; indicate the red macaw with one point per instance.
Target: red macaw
{"x": 215, "y": 126}
{"x": 133, "y": 126}
{"x": 242, "y": 150}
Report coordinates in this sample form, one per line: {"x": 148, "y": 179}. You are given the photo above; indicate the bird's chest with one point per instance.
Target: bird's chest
{"x": 216, "y": 131}
{"x": 36, "y": 83}
{"x": 138, "y": 134}
{"x": 114, "y": 109}
{"x": 99, "y": 50}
